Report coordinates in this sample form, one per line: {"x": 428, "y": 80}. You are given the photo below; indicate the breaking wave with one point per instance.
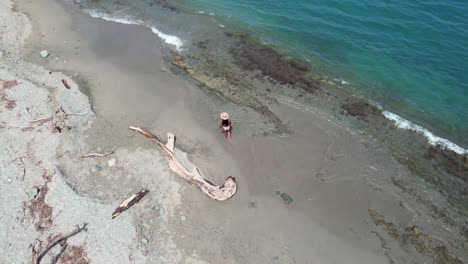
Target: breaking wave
{"x": 169, "y": 39}
{"x": 431, "y": 138}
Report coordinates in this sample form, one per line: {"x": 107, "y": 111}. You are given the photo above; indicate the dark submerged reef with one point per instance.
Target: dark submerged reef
{"x": 361, "y": 109}
{"x": 454, "y": 163}
{"x": 254, "y": 56}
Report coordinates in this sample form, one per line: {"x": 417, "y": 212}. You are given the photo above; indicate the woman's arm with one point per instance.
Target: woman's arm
{"x": 221, "y": 126}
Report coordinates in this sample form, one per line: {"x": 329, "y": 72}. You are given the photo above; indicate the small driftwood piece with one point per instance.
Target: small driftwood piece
{"x": 216, "y": 192}
{"x": 38, "y": 253}
{"x": 24, "y": 168}
{"x": 39, "y": 122}
{"x": 132, "y": 200}
{"x": 42, "y": 120}
{"x": 97, "y": 154}
{"x": 66, "y": 84}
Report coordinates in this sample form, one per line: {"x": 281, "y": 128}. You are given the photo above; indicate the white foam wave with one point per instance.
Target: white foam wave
{"x": 431, "y": 138}
{"x": 169, "y": 39}
{"x": 343, "y": 82}
{"x": 107, "y": 17}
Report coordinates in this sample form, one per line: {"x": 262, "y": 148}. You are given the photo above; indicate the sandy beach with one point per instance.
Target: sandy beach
{"x": 351, "y": 200}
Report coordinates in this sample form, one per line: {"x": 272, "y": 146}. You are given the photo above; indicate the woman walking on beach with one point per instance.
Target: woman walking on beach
{"x": 226, "y": 125}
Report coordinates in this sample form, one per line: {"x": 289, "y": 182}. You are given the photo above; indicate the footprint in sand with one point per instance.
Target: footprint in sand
{"x": 323, "y": 176}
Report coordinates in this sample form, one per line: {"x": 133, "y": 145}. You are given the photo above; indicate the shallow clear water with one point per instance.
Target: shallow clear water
{"x": 409, "y": 56}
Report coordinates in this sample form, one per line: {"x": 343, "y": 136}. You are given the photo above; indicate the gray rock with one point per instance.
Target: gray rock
{"x": 44, "y": 53}
{"x": 286, "y": 198}
{"x": 111, "y": 162}
{"x": 35, "y": 192}
{"x": 96, "y": 168}
{"x": 162, "y": 211}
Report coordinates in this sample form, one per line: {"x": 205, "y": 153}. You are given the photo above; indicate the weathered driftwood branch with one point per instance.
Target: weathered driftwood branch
{"x": 42, "y": 120}
{"x": 38, "y": 253}
{"x": 220, "y": 193}
{"x": 38, "y": 122}
{"x": 97, "y": 154}
{"x": 129, "y": 202}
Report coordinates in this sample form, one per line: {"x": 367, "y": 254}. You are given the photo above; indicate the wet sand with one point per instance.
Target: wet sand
{"x": 334, "y": 175}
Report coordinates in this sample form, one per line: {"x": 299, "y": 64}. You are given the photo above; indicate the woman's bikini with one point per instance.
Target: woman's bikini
{"x": 226, "y": 125}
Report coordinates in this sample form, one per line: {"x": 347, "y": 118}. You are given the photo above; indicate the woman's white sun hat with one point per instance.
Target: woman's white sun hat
{"x": 224, "y": 116}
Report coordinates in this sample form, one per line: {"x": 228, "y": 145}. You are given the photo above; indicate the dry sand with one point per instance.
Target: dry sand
{"x": 352, "y": 202}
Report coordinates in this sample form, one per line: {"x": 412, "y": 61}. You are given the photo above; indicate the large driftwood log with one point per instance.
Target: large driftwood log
{"x": 220, "y": 193}
{"x": 132, "y": 200}
{"x": 38, "y": 253}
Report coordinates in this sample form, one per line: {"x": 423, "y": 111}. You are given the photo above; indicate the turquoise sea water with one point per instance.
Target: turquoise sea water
{"x": 411, "y": 57}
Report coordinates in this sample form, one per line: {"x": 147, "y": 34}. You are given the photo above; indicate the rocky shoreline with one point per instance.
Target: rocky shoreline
{"x": 43, "y": 122}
